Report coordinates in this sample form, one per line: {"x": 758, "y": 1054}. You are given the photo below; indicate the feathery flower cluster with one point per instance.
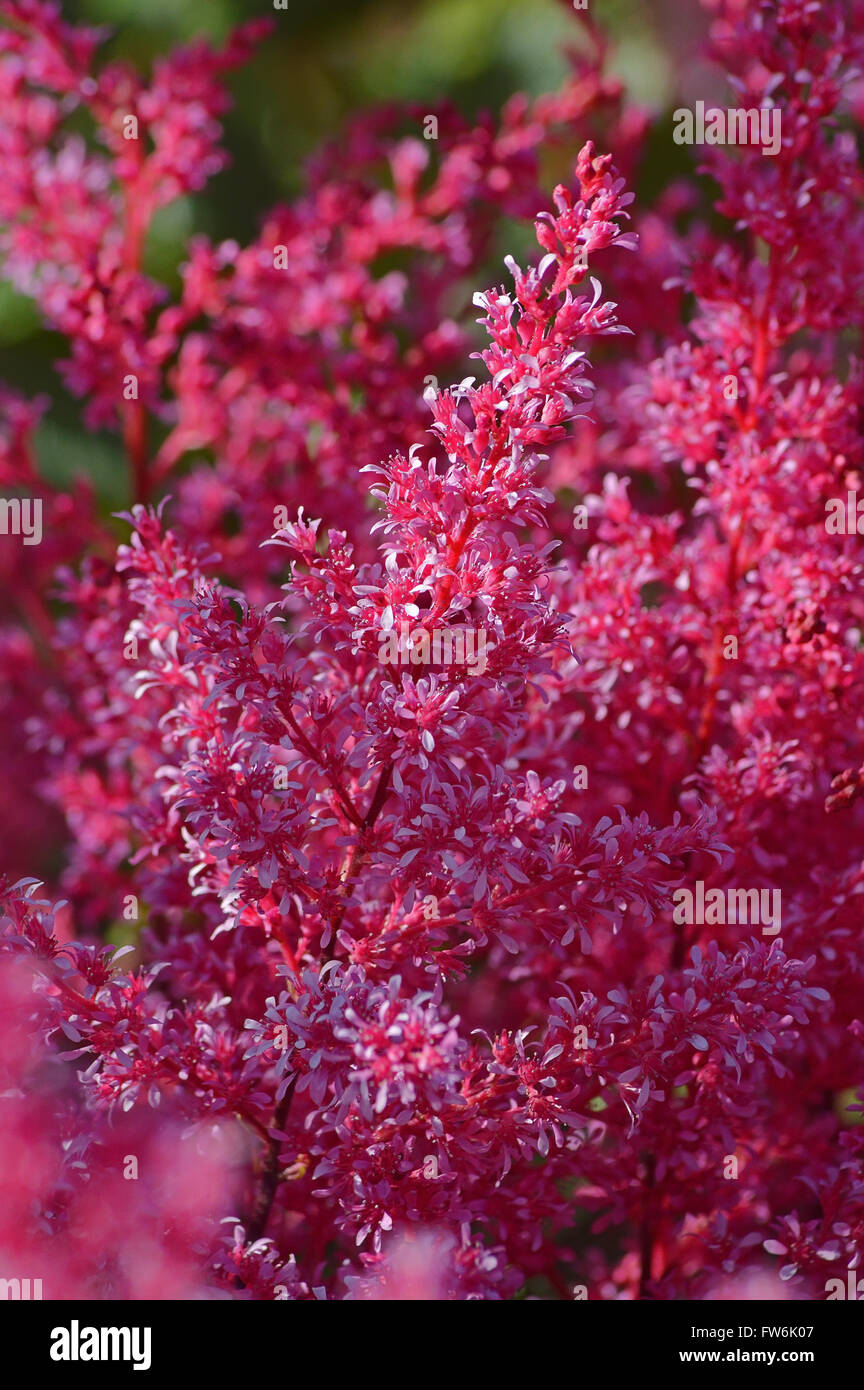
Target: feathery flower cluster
{"x": 412, "y": 1011}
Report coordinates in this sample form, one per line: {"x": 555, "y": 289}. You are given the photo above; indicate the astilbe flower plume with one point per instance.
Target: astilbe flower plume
{"x": 410, "y": 972}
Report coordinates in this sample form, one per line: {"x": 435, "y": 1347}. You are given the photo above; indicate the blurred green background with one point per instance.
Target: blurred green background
{"x": 326, "y": 59}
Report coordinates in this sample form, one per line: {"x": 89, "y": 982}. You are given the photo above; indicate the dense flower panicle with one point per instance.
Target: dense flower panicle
{"x": 396, "y": 755}
{"x": 104, "y": 1204}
